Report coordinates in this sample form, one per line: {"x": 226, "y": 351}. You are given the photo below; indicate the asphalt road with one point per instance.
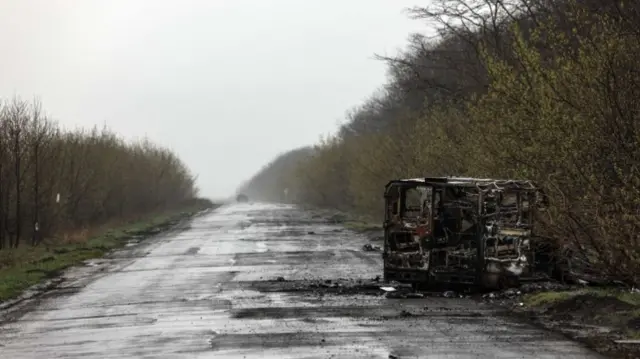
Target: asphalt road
{"x": 211, "y": 290}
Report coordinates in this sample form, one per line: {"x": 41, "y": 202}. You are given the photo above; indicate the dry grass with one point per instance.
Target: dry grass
{"x": 25, "y": 266}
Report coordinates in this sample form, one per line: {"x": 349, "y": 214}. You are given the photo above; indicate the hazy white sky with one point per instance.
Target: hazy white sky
{"x": 227, "y": 84}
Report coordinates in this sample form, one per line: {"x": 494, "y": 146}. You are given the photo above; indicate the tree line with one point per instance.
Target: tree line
{"x": 537, "y": 89}
{"x": 54, "y": 181}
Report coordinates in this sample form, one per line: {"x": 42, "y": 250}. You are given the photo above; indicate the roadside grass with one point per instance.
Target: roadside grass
{"x": 541, "y": 299}
{"x": 615, "y": 308}
{"x": 357, "y": 223}
{"x": 26, "y": 266}
{"x": 362, "y": 225}
{"x": 551, "y": 298}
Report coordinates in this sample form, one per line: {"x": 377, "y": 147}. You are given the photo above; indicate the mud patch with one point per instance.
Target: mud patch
{"x": 192, "y": 250}
{"x": 85, "y": 317}
{"x": 595, "y": 317}
{"x": 289, "y": 233}
{"x": 104, "y": 325}
{"x": 243, "y": 225}
{"x": 282, "y": 258}
{"x": 271, "y": 238}
{"x": 74, "y": 343}
{"x": 315, "y": 320}
{"x": 291, "y": 222}
{"x": 359, "y": 312}
{"x": 308, "y": 312}
{"x": 187, "y": 303}
{"x": 591, "y": 308}
{"x": 319, "y": 287}
{"x": 289, "y": 340}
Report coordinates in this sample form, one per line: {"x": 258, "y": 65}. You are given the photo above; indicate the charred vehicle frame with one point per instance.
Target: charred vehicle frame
{"x": 469, "y": 231}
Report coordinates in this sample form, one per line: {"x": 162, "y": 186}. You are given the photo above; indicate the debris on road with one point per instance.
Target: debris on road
{"x": 449, "y": 294}
{"x": 527, "y": 288}
{"x": 395, "y": 295}
{"x": 404, "y": 295}
{"x": 343, "y": 286}
{"x": 244, "y": 225}
{"x": 406, "y": 313}
{"x": 371, "y": 248}
{"x": 414, "y": 295}
{"x": 329, "y": 284}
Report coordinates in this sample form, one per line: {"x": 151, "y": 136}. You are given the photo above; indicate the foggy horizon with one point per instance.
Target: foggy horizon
{"x": 227, "y": 85}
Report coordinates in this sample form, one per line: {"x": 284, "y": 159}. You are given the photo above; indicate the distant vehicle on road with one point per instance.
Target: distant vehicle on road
{"x": 242, "y": 198}
{"x": 469, "y": 231}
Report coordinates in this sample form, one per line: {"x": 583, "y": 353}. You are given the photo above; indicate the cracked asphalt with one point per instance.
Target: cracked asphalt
{"x": 258, "y": 281}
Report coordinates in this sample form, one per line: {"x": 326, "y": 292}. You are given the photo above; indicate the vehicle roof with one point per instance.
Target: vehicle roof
{"x": 462, "y": 182}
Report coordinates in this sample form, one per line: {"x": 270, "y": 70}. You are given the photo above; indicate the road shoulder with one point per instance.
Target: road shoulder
{"x": 38, "y": 271}
{"x": 606, "y": 320}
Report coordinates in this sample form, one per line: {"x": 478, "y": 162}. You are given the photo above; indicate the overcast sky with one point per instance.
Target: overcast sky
{"x": 227, "y": 84}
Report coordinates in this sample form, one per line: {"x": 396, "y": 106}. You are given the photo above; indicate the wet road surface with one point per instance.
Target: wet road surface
{"x": 212, "y": 291}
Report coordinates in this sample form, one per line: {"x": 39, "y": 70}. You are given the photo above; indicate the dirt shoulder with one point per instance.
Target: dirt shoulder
{"x": 28, "y": 271}
{"x": 605, "y": 319}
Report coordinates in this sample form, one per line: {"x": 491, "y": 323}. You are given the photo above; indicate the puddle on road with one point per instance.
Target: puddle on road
{"x": 192, "y": 250}
{"x": 283, "y": 258}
